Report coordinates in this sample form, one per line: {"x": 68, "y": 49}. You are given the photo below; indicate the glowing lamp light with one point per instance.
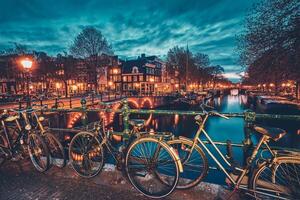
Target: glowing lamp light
{"x": 151, "y": 79}
{"x": 26, "y": 63}
{"x": 137, "y": 85}
{"x": 115, "y": 71}
{"x": 271, "y": 85}
{"x": 176, "y": 85}
{"x": 110, "y": 83}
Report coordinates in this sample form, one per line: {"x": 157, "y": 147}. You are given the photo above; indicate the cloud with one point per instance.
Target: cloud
{"x": 132, "y": 26}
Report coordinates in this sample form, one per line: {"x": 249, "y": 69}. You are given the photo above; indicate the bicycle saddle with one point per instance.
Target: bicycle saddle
{"x": 3, "y": 116}
{"x": 273, "y": 133}
{"x": 11, "y": 118}
{"x": 139, "y": 123}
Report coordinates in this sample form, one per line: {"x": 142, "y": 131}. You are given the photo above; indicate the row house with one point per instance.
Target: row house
{"x": 139, "y": 76}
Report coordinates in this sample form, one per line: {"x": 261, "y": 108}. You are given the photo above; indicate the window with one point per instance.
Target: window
{"x": 130, "y": 86}
{"x": 135, "y": 78}
{"x": 141, "y": 78}
{"x": 135, "y": 70}
{"x": 125, "y": 86}
{"x": 125, "y": 78}
{"x": 129, "y": 79}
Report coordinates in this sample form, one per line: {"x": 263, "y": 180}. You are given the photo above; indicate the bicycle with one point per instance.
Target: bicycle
{"x": 274, "y": 177}
{"x": 141, "y": 157}
{"x": 56, "y": 149}
{"x": 26, "y": 138}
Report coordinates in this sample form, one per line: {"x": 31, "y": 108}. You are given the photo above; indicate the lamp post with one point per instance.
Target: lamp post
{"x": 26, "y": 63}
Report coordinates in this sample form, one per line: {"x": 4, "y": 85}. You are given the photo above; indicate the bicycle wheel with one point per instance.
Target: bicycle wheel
{"x": 278, "y": 180}
{"x": 86, "y": 154}
{"x": 195, "y": 164}
{"x": 38, "y": 152}
{"x": 145, "y": 160}
{"x": 3, "y": 143}
{"x": 56, "y": 150}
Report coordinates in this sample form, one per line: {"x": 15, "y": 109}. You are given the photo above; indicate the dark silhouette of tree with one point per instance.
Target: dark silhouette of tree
{"x": 18, "y": 49}
{"x": 269, "y": 43}
{"x": 90, "y": 44}
{"x": 191, "y": 68}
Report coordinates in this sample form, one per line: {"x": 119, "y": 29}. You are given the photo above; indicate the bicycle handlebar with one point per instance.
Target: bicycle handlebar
{"x": 218, "y": 114}
{"x": 203, "y": 105}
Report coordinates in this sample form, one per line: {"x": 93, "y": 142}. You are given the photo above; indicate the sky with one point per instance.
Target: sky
{"x": 131, "y": 26}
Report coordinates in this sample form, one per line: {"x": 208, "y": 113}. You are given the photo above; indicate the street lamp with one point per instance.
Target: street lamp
{"x": 27, "y": 63}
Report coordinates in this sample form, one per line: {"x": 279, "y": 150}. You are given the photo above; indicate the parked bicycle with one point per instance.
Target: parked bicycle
{"x": 56, "y": 150}
{"x": 275, "y": 177}
{"x": 26, "y": 138}
{"x": 148, "y": 162}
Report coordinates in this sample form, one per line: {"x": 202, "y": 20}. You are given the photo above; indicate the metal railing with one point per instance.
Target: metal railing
{"x": 85, "y": 107}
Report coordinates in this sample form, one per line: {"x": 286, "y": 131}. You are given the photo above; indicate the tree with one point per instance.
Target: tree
{"x": 18, "y": 49}
{"x": 269, "y": 42}
{"x": 89, "y": 45}
{"x": 216, "y": 73}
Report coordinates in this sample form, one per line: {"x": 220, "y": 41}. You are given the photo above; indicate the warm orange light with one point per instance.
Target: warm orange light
{"x": 110, "y": 83}
{"x": 271, "y": 85}
{"x": 74, "y": 87}
{"x": 137, "y": 85}
{"x": 283, "y": 84}
{"x": 176, "y": 85}
{"x": 151, "y": 79}
{"x": 115, "y": 71}
{"x": 26, "y": 63}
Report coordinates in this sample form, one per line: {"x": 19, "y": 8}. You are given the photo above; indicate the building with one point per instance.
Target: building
{"x": 142, "y": 75}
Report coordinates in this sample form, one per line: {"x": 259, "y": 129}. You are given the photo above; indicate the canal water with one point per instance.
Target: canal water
{"x": 218, "y": 128}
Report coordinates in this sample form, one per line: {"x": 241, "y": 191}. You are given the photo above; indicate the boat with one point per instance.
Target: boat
{"x": 276, "y": 105}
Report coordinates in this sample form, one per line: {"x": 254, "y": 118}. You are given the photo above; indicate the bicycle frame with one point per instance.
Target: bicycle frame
{"x": 11, "y": 146}
{"x": 244, "y": 170}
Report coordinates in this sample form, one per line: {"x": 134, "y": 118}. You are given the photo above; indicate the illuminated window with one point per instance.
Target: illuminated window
{"x": 141, "y": 78}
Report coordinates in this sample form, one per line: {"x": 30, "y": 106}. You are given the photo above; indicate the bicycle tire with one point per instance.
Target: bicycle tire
{"x": 56, "y": 150}
{"x": 3, "y": 143}
{"x": 268, "y": 181}
{"x": 142, "y": 173}
{"x": 40, "y": 156}
{"x": 80, "y": 159}
{"x": 196, "y": 161}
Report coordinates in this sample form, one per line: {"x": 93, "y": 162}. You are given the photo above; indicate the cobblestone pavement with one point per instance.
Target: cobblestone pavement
{"x": 19, "y": 180}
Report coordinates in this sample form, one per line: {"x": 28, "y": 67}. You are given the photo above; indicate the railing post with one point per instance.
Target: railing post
{"x": 20, "y": 104}
{"x": 56, "y": 103}
{"x": 248, "y": 144}
{"x": 70, "y": 100}
{"x": 93, "y": 100}
{"x": 41, "y": 103}
{"x": 125, "y": 114}
{"x": 84, "y": 119}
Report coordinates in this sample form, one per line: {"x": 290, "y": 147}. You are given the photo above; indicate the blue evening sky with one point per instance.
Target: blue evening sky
{"x": 132, "y": 26}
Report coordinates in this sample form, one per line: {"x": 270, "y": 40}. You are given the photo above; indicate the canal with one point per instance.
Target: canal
{"x": 218, "y": 128}
{"x": 221, "y": 129}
